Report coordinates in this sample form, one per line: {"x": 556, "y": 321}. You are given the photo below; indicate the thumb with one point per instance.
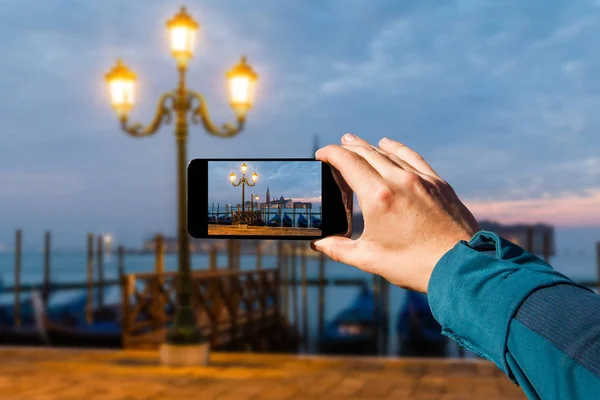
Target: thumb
{"x": 338, "y": 248}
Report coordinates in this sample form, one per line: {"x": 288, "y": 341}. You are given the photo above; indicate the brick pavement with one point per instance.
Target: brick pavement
{"x": 52, "y": 374}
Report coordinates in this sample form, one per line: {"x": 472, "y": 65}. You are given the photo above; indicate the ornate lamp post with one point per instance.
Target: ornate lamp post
{"x": 243, "y": 182}
{"x": 184, "y": 103}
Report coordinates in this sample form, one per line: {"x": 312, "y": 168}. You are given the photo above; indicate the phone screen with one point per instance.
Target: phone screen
{"x": 265, "y": 198}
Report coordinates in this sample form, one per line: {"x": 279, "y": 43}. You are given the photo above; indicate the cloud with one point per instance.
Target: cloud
{"x": 501, "y": 97}
{"x": 566, "y": 210}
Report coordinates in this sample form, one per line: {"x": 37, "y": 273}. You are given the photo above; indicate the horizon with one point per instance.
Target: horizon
{"x": 500, "y": 98}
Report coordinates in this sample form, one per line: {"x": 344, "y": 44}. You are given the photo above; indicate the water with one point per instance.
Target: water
{"x": 71, "y": 267}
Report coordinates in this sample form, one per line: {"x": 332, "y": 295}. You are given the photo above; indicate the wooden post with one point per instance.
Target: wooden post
{"x": 377, "y": 312}
{"x": 100, "y": 262}
{"x": 159, "y": 260}
{"x": 90, "y": 278}
{"x": 121, "y": 262}
{"x": 279, "y": 266}
{"x": 258, "y": 255}
{"x": 212, "y": 256}
{"x": 321, "y": 294}
{"x": 46, "y": 291}
{"x": 304, "y": 300}
{"x": 547, "y": 247}
{"x": 286, "y": 282}
{"x": 280, "y": 216}
{"x": 230, "y": 262}
{"x": 18, "y": 250}
{"x": 295, "y": 285}
{"x": 529, "y": 240}
{"x": 598, "y": 264}
{"x": 385, "y": 300}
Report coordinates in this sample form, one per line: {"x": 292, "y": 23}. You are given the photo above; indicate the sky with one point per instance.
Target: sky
{"x": 502, "y": 98}
{"x": 298, "y": 180}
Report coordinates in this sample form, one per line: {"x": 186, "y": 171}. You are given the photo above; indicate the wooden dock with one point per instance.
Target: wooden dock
{"x": 53, "y": 374}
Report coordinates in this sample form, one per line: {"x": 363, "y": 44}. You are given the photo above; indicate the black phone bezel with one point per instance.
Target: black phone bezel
{"x": 334, "y": 217}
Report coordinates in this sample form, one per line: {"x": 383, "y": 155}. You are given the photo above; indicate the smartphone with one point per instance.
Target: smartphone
{"x": 254, "y": 198}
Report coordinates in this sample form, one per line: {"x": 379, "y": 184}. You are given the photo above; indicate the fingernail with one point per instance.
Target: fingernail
{"x": 385, "y": 140}
{"x": 348, "y": 137}
{"x": 314, "y": 246}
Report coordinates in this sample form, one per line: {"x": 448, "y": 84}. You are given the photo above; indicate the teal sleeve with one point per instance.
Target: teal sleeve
{"x": 476, "y": 289}
{"x": 545, "y": 371}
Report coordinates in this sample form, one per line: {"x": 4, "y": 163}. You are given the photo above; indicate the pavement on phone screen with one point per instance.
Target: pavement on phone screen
{"x": 261, "y": 231}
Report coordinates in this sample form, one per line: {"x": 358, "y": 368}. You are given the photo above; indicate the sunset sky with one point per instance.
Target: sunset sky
{"x": 501, "y": 97}
{"x": 298, "y": 180}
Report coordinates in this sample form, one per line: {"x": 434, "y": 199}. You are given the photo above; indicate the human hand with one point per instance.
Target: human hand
{"x": 412, "y": 216}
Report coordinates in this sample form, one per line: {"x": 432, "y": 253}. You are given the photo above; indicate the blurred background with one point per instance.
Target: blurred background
{"x": 501, "y": 98}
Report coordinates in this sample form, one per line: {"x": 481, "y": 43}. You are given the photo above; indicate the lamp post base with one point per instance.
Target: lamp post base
{"x": 185, "y": 329}
{"x": 184, "y": 355}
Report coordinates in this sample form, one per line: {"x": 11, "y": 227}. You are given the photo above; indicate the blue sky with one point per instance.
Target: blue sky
{"x": 298, "y": 180}
{"x": 501, "y": 97}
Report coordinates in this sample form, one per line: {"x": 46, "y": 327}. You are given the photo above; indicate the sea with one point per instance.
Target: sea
{"x": 71, "y": 267}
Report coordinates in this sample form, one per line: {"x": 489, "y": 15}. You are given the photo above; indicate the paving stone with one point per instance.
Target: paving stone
{"x": 57, "y": 374}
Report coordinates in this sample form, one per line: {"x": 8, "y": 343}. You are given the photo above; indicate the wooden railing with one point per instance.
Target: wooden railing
{"x": 232, "y": 308}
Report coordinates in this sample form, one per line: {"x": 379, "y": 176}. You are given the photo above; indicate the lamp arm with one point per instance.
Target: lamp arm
{"x": 237, "y": 184}
{"x": 200, "y": 115}
{"x": 165, "y": 107}
{"x": 251, "y": 184}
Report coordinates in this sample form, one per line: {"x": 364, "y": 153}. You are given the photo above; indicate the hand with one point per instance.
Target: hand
{"x": 412, "y": 216}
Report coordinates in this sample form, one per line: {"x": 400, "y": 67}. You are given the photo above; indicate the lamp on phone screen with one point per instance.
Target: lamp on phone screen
{"x": 254, "y": 177}
{"x": 232, "y": 177}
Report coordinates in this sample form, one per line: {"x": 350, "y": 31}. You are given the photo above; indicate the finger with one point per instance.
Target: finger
{"x": 382, "y": 163}
{"x": 409, "y": 155}
{"x": 356, "y": 171}
{"x": 352, "y": 139}
{"x": 338, "y": 248}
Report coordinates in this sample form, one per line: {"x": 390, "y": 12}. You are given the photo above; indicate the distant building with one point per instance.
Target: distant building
{"x": 301, "y": 204}
{"x": 282, "y": 202}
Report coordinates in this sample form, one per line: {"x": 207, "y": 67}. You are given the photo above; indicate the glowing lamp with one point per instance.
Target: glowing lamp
{"x": 244, "y": 168}
{"x": 232, "y": 177}
{"x": 242, "y": 83}
{"x": 121, "y": 82}
{"x": 182, "y": 31}
{"x": 254, "y": 177}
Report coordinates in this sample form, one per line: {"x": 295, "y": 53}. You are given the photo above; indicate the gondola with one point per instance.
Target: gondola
{"x": 56, "y": 309}
{"x": 315, "y": 222}
{"x": 287, "y": 221}
{"x": 419, "y": 334}
{"x": 274, "y": 221}
{"x": 66, "y": 326}
{"x": 224, "y": 219}
{"x": 302, "y": 221}
{"x": 353, "y": 329}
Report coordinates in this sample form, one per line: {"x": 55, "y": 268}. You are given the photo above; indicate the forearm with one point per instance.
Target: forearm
{"x": 498, "y": 300}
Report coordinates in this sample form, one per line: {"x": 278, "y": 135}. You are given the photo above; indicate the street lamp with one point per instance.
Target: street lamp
{"x": 184, "y": 103}
{"x": 244, "y": 182}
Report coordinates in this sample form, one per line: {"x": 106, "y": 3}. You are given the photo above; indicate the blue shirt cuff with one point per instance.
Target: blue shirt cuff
{"x": 476, "y": 288}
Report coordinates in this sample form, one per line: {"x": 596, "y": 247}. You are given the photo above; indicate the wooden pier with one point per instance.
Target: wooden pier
{"x": 264, "y": 309}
